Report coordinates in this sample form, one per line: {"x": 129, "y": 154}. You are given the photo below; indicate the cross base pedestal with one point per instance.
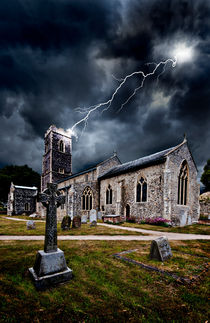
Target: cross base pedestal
{"x": 50, "y": 269}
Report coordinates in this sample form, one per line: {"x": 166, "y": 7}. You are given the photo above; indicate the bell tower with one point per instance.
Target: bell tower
{"x": 57, "y": 158}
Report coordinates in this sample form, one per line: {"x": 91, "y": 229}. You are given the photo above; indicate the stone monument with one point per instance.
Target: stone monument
{"x": 84, "y": 219}
{"x": 30, "y": 225}
{"x": 99, "y": 216}
{"x": 50, "y": 265}
{"x": 66, "y": 223}
{"x": 160, "y": 249}
{"x": 76, "y": 222}
{"x": 93, "y": 215}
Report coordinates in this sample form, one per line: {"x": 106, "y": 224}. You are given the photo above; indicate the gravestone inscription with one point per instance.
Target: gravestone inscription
{"x": 160, "y": 249}
{"x": 50, "y": 265}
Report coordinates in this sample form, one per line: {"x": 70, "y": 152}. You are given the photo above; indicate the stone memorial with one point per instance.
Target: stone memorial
{"x": 30, "y": 225}
{"x": 99, "y": 216}
{"x": 50, "y": 265}
{"x": 84, "y": 219}
{"x": 66, "y": 223}
{"x": 76, "y": 222}
{"x": 160, "y": 249}
{"x": 93, "y": 215}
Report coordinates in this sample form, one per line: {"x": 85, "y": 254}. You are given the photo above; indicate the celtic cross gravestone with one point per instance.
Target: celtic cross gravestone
{"x": 50, "y": 265}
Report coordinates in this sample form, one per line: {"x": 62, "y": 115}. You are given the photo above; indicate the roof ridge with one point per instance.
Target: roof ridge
{"x": 176, "y": 147}
{"x": 115, "y": 155}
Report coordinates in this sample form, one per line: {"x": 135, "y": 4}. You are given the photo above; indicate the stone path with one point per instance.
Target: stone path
{"x": 152, "y": 235}
{"x": 16, "y": 219}
{"x": 171, "y": 236}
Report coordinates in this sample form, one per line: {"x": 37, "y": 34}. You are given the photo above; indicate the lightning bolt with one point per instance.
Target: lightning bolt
{"x": 107, "y": 104}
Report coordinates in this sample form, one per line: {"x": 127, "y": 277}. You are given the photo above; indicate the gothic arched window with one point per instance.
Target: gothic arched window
{"x": 141, "y": 190}
{"x": 61, "y": 146}
{"x": 87, "y": 199}
{"x": 109, "y": 195}
{"x": 183, "y": 184}
{"x": 27, "y": 206}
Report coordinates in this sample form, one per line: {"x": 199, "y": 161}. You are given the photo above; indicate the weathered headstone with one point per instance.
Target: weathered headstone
{"x": 160, "y": 249}
{"x": 93, "y": 224}
{"x": 84, "y": 219}
{"x": 30, "y": 225}
{"x": 66, "y": 223}
{"x": 99, "y": 216}
{"x": 93, "y": 215}
{"x": 76, "y": 222}
{"x": 50, "y": 265}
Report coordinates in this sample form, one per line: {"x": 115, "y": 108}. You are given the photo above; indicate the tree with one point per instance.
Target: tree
{"x": 205, "y": 178}
{"x": 19, "y": 175}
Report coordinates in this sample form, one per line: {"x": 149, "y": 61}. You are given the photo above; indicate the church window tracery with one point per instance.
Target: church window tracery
{"x": 109, "y": 195}
{"x": 61, "y": 146}
{"x": 27, "y": 206}
{"x": 87, "y": 199}
{"x": 141, "y": 190}
{"x": 183, "y": 184}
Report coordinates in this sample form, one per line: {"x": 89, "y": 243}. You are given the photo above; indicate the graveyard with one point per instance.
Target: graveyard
{"x": 99, "y": 281}
{"x": 137, "y": 281}
{"x": 103, "y": 287}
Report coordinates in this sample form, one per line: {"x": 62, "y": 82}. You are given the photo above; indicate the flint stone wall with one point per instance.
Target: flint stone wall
{"x": 53, "y": 159}
{"x": 23, "y": 196}
{"x": 162, "y": 191}
{"x": 181, "y": 214}
{"x": 205, "y": 207}
{"x": 124, "y": 192}
{"x": 76, "y": 186}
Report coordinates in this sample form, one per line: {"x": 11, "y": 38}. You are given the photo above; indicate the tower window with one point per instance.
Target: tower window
{"x": 183, "y": 184}
{"x": 141, "y": 190}
{"x": 109, "y": 195}
{"x": 61, "y": 146}
{"x": 87, "y": 199}
{"x": 61, "y": 170}
{"x": 27, "y": 206}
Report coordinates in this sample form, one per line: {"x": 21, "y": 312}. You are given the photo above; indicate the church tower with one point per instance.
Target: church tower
{"x": 56, "y": 163}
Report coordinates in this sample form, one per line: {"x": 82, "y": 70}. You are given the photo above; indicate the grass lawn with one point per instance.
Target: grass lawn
{"x": 194, "y": 228}
{"x": 104, "y": 289}
{"x": 11, "y": 227}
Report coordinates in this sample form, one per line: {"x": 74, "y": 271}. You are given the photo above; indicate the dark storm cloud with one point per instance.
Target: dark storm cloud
{"x": 58, "y": 55}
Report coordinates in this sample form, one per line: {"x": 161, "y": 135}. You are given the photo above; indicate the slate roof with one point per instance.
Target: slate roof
{"x": 154, "y": 159}
{"x": 77, "y": 174}
{"x": 87, "y": 170}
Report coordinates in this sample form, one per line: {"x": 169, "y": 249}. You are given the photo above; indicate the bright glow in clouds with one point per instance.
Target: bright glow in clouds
{"x": 183, "y": 53}
{"x": 180, "y": 52}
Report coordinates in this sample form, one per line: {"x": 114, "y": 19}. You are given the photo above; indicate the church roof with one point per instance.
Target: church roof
{"x": 154, "y": 159}
{"x": 88, "y": 170}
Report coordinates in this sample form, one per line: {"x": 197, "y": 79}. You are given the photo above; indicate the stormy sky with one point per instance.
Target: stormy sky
{"x": 56, "y": 56}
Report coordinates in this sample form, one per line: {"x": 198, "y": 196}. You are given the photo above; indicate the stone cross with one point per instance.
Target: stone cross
{"x": 51, "y": 199}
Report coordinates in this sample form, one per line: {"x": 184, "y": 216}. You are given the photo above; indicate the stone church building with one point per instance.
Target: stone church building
{"x": 163, "y": 184}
